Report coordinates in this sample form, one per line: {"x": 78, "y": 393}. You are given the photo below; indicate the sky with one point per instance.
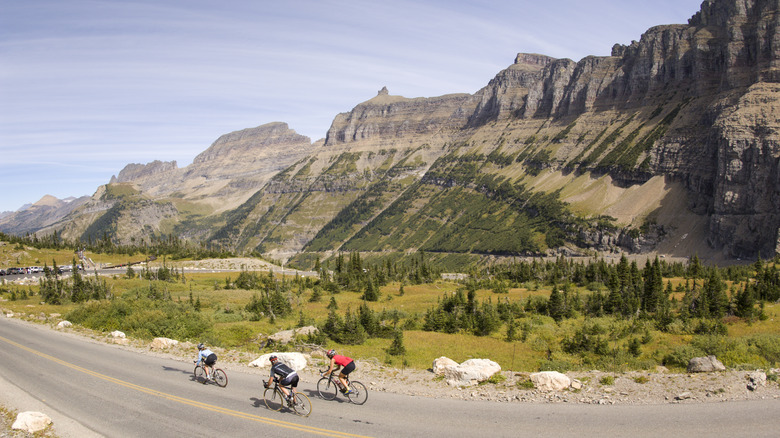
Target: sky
{"x": 89, "y": 86}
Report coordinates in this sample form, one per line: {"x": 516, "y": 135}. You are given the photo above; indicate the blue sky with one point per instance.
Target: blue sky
{"x": 89, "y": 86}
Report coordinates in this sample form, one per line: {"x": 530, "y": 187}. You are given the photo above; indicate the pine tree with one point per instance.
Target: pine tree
{"x": 316, "y": 295}
{"x": 353, "y": 332}
{"x": 555, "y": 305}
{"x": 511, "y": 330}
{"x": 745, "y": 303}
{"x": 397, "y": 346}
{"x": 715, "y": 291}
{"x": 371, "y": 293}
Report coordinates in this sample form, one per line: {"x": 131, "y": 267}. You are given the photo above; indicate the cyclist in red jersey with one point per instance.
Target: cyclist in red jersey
{"x": 347, "y": 366}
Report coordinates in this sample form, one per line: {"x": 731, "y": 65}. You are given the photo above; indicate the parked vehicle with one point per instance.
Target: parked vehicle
{"x": 2, "y": 272}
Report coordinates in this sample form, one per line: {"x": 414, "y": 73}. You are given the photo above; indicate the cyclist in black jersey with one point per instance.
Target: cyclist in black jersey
{"x": 286, "y": 377}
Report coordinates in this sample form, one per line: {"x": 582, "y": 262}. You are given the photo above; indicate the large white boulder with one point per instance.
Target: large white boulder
{"x": 550, "y": 381}
{"x": 118, "y": 334}
{"x": 64, "y": 324}
{"x": 296, "y": 361}
{"x": 442, "y": 363}
{"x": 31, "y": 422}
{"x": 471, "y": 372}
{"x": 160, "y": 343}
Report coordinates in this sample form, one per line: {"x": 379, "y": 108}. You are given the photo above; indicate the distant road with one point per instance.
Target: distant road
{"x": 116, "y": 392}
{"x": 122, "y": 270}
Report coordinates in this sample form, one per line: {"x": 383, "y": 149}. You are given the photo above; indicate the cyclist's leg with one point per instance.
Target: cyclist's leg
{"x": 293, "y": 385}
{"x": 343, "y": 380}
{"x": 344, "y": 373}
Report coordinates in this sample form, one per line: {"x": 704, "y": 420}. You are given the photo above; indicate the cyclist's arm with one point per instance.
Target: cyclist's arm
{"x": 333, "y": 368}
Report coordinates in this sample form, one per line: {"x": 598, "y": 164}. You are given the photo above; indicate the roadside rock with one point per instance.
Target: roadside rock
{"x": 296, "y": 361}
{"x": 31, "y": 422}
{"x": 471, "y": 372}
{"x": 64, "y": 324}
{"x": 705, "y": 365}
{"x": 441, "y": 364}
{"x": 756, "y": 379}
{"x": 550, "y": 381}
{"x": 161, "y": 343}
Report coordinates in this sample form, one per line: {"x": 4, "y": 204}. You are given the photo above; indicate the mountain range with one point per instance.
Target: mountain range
{"x": 669, "y": 145}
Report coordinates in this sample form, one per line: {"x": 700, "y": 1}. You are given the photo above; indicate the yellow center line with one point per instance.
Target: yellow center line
{"x": 185, "y": 401}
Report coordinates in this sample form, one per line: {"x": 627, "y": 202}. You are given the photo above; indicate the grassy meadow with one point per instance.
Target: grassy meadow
{"x": 211, "y": 300}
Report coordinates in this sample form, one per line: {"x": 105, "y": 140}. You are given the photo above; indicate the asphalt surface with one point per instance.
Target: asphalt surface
{"x": 94, "y": 389}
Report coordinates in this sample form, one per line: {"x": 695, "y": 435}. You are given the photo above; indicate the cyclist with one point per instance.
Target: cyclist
{"x": 287, "y": 377}
{"x": 347, "y": 366}
{"x": 209, "y": 359}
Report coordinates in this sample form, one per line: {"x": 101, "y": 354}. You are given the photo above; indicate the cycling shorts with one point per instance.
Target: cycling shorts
{"x": 291, "y": 381}
{"x": 348, "y": 369}
{"x": 210, "y": 360}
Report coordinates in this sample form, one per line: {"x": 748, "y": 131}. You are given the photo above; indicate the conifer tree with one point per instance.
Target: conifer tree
{"x": 397, "y": 346}
{"x": 555, "y": 306}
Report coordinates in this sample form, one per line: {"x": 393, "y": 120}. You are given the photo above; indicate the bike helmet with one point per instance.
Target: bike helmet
{"x": 201, "y": 346}
{"x": 331, "y": 353}
{"x": 273, "y": 358}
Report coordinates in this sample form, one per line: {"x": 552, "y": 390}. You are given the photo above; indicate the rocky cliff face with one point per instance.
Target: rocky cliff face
{"x": 721, "y": 67}
{"x": 385, "y": 118}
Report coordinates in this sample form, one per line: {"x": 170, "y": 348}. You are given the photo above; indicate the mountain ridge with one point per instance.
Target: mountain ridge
{"x": 674, "y": 135}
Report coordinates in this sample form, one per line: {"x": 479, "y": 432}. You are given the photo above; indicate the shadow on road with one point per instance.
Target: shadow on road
{"x": 165, "y": 368}
{"x": 179, "y": 370}
{"x": 260, "y": 403}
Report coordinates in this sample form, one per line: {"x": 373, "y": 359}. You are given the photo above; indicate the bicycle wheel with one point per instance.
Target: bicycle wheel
{"x": 199, "y": 374}
{"x": 327, "y": 388}
{"x": 273, "y": 399}
{"x": 302, "y": 405}
{"x": 220, "y": 378}
{"x": 359, "y": 393}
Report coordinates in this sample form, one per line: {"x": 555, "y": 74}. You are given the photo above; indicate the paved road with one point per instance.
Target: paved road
{"x": 114, "y": 392}
{"x": 121, "y": 271}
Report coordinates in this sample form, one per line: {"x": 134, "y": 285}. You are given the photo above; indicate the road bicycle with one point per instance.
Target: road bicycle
{"x": 218, "y": 376}
{"x": 275, "y": 399}
{"x": 329, "y": 386}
